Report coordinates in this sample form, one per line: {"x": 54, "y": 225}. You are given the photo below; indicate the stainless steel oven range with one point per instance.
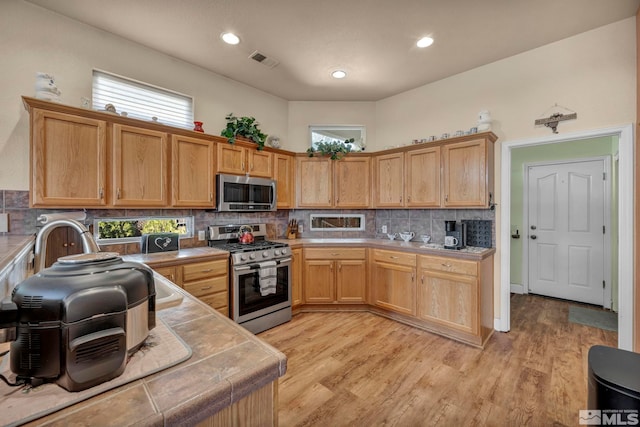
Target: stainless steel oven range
{"x": 259, "y": 276}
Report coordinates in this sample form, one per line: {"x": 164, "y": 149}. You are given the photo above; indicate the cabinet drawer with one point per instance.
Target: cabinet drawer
{"x": 334, "y": 253}
{"x": 218, "y": 301}
{"x": 449, "y": 265}
{"x": 201, "y": 270}
{"x": 394, "y": 257}
{"x": 207, "y": 286}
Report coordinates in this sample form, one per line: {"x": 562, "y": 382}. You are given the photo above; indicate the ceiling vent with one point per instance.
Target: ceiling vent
{"x": 263, "y": 59}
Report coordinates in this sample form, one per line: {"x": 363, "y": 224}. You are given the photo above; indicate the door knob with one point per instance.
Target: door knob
{"x": 534, "y": 237}
{"x": 533, "y": 227}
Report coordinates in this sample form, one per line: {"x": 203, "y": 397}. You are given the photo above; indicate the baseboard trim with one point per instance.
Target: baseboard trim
{"x": 517, "y": 289}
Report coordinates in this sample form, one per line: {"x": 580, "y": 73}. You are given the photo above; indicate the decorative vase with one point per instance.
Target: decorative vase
{"x": 198, "y": 127}
{"x": 484, "y": 121}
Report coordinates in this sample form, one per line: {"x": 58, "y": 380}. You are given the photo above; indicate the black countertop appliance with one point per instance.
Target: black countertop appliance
{"x": 455, "y": 235}
{"x": 77, "y": 320}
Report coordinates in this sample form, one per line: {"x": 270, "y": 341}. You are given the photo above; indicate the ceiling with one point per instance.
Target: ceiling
{"x": 372, "y": 40}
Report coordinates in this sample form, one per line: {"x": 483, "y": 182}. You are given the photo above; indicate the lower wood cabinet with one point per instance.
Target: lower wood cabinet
{"x": 335, "y": 275}
{"x": 393, "y": 284}
{"x": 206, "y": 280}
{"x": 456, "y": 296}
{"x": 62, "y": 241}
{"x": 296, "y": 277}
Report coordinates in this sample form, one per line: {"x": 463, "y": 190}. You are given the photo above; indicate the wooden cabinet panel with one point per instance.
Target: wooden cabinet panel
{"x": 449, "y": 299}
{"x": 140, "y": 167}
{"x": 296, "y": 277}
{"x": 260, "y": 163}
{"x": 231, "y": 159}
{"x": 199, "y": 288}
{"x": 318, "y": 282}
{"x": 393, "y": 287}
{"x": 193, "y": 173}
{"x": 68, "y": 155}
{"x": 465, "y": 174}
{"x": 217, "y": 301}
{"x": 201, "y": 270}
{"x": 449, "y": 265}
{"x": 61, "y": 242}
{"x": 335, "y": 253}
{"x": 389, "y": 180}
{"x": 422, "y": 177}
{"x": 352, "y": 182}
{"x": 351, "y": 281}
{"x": 284, "y": 174}
{"x": 169, "y": 273}
{"x": 314, "y": 182}
{"x": 402, "y": 258}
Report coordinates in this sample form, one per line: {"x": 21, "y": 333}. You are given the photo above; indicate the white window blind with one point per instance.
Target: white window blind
{"x": 142, "y": 101}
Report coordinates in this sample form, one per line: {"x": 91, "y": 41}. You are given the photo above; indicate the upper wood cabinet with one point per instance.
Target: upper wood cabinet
{"x": 284, "y": 174}
{"x": 422, "y": 177}
{"x": 68, "y": 160}
{"x": 327, "y": 183}
{"x": 193, "y": 174}
{"x": 140, "y": 167}
{"x": 389, "y": 180}
{"x": 467, "y": 173}
{"x": 237, "y": 160}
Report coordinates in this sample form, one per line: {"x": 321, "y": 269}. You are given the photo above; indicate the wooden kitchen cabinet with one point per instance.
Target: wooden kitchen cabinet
{"x": 207, "y": 280}
{"x": 467, "y": 173}
{"x": 61, "y": 242}
{"x": 456, "y": 297}
{"x": 140, "y": 175}
{"x": 284, "y": 174}
{"x": 335, "y": 275}
{"x": 393, "y": 284}
{"x": 296, "y": 277}
{"x": 422, "y": 177}
{"x": 238, "y": 160}
{"x": 326, "y": 183}
{"x": 389, "y": 180}
{"x": 68, "y": 160}
{"x": 193, "y": 172}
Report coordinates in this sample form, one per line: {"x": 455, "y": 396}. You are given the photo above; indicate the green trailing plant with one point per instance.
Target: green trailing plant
{"x": 246, "y": 127}
{"x": 335, "y": 149}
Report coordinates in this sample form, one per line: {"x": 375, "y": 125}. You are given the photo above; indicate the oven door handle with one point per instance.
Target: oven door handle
{"x": 256, "y": 267}
{"x": 283, "y": 261}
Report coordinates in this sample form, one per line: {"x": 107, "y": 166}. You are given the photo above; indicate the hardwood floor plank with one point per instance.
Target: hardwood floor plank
{"x": 359, "y": 369}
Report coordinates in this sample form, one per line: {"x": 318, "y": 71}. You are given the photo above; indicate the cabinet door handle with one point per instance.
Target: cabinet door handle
{"x": 72, "y": 244}
{"x": 422, "y": 279}
{"x": 64, "y": 245}
{"x": 118, "y": 194}
{"x": 413, "y": 276}
{"x": 211, "y": 197}
{"x": 400, "y": 199}
{"x": 208, "y": 270}
{"x": 394, "y": 257}
{"x": 171, "y": 278}
{"x": 101, "y": 192}
{"x": 446, "y": 265}
{"x": 339, "y": 267}
{"x": 242, "y": 165}
{"x": 335, "y": 253}
{"x": 446, "y": 198}
{"x": 205, "y": 288}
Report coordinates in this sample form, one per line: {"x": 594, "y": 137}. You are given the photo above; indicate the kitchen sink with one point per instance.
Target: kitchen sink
{"x": 166, "y": 295}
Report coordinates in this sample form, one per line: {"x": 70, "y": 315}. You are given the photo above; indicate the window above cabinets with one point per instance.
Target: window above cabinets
{"x": 338, "y": 133}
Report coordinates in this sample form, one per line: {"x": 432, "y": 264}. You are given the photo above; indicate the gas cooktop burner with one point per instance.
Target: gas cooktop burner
{"x": 248, "y": 247}
{"x": 226, "y": 238}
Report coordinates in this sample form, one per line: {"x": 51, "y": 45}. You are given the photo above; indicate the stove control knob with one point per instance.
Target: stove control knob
{"x": 265, "y": 254}
{"x": 252, "y": 256}
{"x": 243, "y": 257}
{"x": 283, "y": 251}
{"x": 276, "y": 252}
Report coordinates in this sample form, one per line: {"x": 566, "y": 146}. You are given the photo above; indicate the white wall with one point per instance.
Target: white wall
{"x": 33, "y": 39}
{"x": 305, "y": 113}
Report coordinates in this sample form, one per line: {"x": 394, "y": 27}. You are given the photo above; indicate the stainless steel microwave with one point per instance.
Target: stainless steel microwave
{"x": 237, "y": 193}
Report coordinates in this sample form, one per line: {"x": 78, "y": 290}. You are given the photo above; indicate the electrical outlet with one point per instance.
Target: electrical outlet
{"x": 300, "y": 228}
{"x": 4, "y": 223}
{"x": 384, "y": 228}
{"x": 201, "y": 235}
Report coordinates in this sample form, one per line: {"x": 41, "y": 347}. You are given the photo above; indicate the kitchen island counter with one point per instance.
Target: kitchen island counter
{"x": 231, "y": 375}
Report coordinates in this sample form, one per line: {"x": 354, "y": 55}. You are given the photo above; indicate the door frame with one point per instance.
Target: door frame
{"x": 626, "y": 292}
{"x": 607, "y": 301}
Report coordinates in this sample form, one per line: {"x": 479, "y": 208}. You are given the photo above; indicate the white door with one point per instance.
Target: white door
{"x": 566, "y": 230}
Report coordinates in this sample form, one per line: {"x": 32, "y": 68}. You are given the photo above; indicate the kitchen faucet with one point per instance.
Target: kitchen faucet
{"x": 89, "y": 245}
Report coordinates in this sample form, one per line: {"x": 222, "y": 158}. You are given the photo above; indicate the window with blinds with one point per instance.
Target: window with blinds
{"x": 142, "y": 101}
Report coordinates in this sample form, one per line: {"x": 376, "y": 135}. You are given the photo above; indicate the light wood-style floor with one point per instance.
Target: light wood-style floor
{"x": 359, "y": 369}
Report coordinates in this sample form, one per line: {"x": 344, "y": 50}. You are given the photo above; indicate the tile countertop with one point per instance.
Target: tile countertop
{"x": 177, "y": 257}
{"x": 470, "y": 252}
{"x": 228, "y": 363}
{"x": 12, "y": 245}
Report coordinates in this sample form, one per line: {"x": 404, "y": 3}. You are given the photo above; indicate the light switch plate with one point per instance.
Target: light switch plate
{"x": 4, "y": 223}
{"x": 384, "y": 228}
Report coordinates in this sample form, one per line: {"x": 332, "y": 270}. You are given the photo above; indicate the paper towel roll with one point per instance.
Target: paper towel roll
{"x": 78, "y": 216}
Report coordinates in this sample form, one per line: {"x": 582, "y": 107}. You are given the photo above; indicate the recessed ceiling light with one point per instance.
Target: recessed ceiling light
{"x": 425, "y": 42}
{"x": 339, "y": 74}
{"x": 230, "y": 38}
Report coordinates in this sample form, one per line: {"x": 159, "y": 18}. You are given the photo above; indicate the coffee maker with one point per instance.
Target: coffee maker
{"x": 455, "y": 236}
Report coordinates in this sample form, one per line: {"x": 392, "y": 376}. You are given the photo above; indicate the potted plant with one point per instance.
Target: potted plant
{"x": 246, "y": 127}
{"x": 335, "y": 149}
